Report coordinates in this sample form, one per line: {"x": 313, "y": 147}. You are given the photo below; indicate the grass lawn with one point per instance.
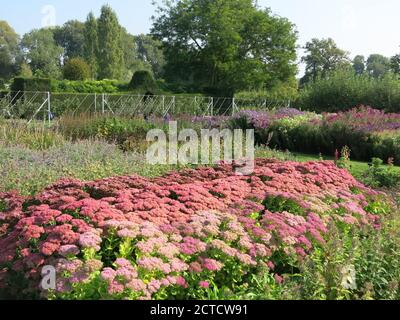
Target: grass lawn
{"x": 357, "y": 167}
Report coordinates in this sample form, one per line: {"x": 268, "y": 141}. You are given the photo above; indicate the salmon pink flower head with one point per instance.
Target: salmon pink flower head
{"x": 211, "y": 264}
{"x": 204, "y": 284}
{"x": 181, "y": 281}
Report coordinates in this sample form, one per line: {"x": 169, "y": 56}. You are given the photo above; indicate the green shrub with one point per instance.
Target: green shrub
{"x": 342, "y": 90}
{"x": 379, "y": 176}
{"x": 353, "y": 265}
{"x": 88, "y": 86}
{"x": 144, "y": 81}
{"x": 76, "y": 69}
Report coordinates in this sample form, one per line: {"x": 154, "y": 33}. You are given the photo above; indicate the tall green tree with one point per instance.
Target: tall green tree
{"x": 322, "y": 56}
{"x": 129, "y": 49}
{"x": 359, "y": 64}
{"x": 91, "y": 45}
{"x": 42, "y": 53}
{"x": 378, "y": 65}
{"x": 110, "y": 54}
{"x": 71, "y": 37}
{"x": 225, "y": 46}
{"x": 150, "y": 52}
{"x": 9, "y": 50}
{"x": 395, "y": 64}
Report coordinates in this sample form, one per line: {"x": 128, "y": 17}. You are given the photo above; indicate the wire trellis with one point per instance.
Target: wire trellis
{"x": 47, "y": 106}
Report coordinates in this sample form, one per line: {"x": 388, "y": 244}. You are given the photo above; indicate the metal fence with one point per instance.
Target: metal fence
{"x": 47, "y": 106}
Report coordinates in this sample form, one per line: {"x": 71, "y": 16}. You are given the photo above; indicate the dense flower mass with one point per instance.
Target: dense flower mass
{"x": 140, "y": 238}
{"x": 362, "y": 118}
{"x": 366, "y": 119}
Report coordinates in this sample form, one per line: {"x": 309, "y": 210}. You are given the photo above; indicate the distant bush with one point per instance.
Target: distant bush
{"x": 144, "y": 81}
{"x": 381, "y": 176}
{"x": 281, "y": 91}
{"x": 343, "y": 89}
{"x": 88, "y": 86}
{"x": 76, "y": 69}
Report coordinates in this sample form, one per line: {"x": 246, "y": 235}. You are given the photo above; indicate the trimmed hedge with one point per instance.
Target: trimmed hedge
{"x": 31, "y": 84}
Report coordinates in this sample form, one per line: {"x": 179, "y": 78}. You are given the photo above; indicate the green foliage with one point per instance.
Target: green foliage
{"x": 353, "y": 265}
{"x": 25, "y": 71}
{"x": 71, "y": 38}
{"x": 344, "y": 160}
{"x": 322, "y": 57}
{"x": 379, "y": 176}
{"x": 88, "y": 86}
{"x": 76, "y": 69}
{"x": 378, "y": 65}
{"x": 144, "y": 81}
{"x": 343, "y": 90}
{"x": 225, "y": 46}
{"x": 110, "y": 54}
{"x": 9, "y": 50}
{"x": 91, "y": 44}
{"x": 280, "y": 92}
{"x": 359, "y": 64}
{"x": 281, "y": 204}
{"x": 395, "y": 64}
{"x": 43, "y": 53}
{"x": 31, "y": 84}
{"x": 150, "y": 51}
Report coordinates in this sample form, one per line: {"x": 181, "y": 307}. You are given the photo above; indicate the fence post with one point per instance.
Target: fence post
{"x": 233, "y": 106}
{"x": 102, "y": 103}
{"x": 49, "y": 106}
{"x": 95, "y": 102}
{"x": 173, "y": 105}
{"x": 212, "y": 106}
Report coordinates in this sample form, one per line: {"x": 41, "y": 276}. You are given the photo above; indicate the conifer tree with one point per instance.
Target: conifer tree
{"x": 110, "y": 54}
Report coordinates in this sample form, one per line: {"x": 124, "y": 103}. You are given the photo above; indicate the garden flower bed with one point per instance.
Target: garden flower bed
{"x": 178, "y": 236}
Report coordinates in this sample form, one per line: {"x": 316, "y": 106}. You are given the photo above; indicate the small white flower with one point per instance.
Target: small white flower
{"x": 349, "y": 278}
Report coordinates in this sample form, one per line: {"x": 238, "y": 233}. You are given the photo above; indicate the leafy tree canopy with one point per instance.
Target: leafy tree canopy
{"x": 9, "y": 50}
{"x": 71, "y": 38}
{"x": 42, "y": 53}
{"x": 322, "y": 56}
{"x": 225, "y": 45}
{"x": 378, "y": 65}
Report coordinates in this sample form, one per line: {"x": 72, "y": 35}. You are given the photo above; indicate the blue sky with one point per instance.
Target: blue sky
{"x": 358, "y": 26}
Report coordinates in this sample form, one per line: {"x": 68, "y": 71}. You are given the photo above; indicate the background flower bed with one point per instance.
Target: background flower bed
{"x": 205, "y": 233}
{"x": 367, "y": 132}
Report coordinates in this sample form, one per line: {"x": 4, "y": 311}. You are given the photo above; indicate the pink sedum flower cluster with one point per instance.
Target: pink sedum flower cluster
{"x": 142, "y": 237}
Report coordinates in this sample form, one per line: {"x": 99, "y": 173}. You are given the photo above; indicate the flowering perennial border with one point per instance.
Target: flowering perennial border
{"x": 177, "y": 235}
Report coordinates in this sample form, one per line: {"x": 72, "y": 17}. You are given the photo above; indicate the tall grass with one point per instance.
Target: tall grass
{"x": 37, "y": 136}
